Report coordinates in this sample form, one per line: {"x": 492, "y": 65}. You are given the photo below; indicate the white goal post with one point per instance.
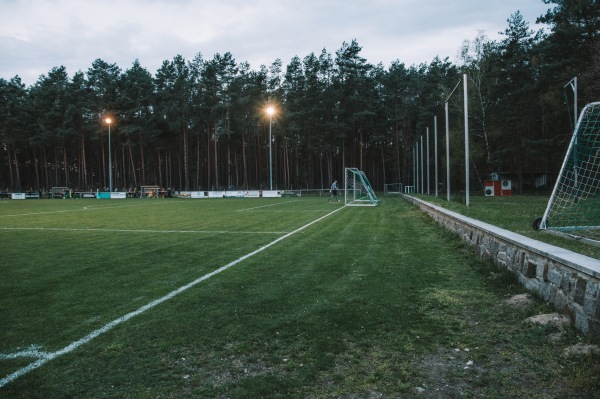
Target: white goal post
{"x": 574, "y": 206}
{"x": 392, "y": 189}
{"x": 357, "y": 189}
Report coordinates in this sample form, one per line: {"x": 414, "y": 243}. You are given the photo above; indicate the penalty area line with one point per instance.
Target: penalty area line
{"x": 46, "y": 357}
{"x": 265, "y": 206}
{"x": 145, "y": 231}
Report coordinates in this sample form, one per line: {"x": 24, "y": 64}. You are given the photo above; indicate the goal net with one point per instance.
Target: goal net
{"x": 392, "y": 189}
{"x": 358, "y": 190}
{"x": 574, "y": 206}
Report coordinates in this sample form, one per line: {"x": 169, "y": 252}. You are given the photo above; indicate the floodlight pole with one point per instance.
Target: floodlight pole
{"x": 110, "y": 185}
{"x": 270, "y": 111}
{"x": 270, "y": 152}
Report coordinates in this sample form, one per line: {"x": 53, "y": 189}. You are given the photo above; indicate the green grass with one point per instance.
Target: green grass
{"x": 369, "y": 302}
{"x": 516, "y": 214}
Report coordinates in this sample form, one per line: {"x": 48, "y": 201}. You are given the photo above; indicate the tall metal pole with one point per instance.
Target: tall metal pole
{"x": 466, "y": 140}
{"x": 428, "y": 173}
{"x": 109, "y": 161}
{"x": 435, "y": 145}
{"x": 414, "y": 168}
{"x": 575, "y": 101}
{"x": 110, "y": 185}
{"x": 447, "y": 155}
{"x": 573, "y": 84}
{"x": 448, "y": 143}
{"x": 422, "y": 174}
{"x": 270, "y": 153}
{"x": 417, "y": 175}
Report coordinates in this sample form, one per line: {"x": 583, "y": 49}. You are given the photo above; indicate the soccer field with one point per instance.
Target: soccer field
{"x": 244, "y": 298}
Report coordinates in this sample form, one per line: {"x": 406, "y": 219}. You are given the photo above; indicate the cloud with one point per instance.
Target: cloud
{"x": 36, "y": 35}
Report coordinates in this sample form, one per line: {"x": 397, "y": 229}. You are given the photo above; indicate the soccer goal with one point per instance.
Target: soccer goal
{"x": 358, "y": 190}
{"x": 574, "y": 206}
{"x": 392, "y": 189}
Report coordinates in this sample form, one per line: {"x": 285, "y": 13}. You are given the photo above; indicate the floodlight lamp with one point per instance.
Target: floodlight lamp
{"x": 270, "y": 111}
{"x": 108, "y": 120}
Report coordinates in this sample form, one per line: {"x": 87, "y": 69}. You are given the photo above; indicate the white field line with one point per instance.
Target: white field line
{"x": 85, "y": 208}
{"x": 46, "y": 357}
{"x": 264, "y": 206}
{"x": 143, "y": 230}
{"x": 31, "y": 352}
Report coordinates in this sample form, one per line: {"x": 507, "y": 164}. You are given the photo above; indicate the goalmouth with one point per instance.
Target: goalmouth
{"x": 357, "y": 189}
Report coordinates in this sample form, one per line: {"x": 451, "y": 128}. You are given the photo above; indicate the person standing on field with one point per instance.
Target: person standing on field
{"x": 333, "y": 192}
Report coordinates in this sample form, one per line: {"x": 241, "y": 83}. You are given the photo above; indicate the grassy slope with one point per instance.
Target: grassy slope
{"x": 516, "y": 214}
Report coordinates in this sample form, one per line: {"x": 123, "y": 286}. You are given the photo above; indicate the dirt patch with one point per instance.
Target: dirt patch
{"x": 520, "y": 301}
{"x": 448, "y": 373}
{"x": 581, "y": 350}
{"x": 555, "y": 319}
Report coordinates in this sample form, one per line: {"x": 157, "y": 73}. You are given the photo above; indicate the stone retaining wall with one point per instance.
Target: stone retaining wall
{"x": 567, "y": 280}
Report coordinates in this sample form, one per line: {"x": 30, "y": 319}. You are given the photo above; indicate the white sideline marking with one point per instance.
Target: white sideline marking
{"x": 46, "y": 357}
{"x": 31, "y": 352}
{"x": 144, "y": 231}
{"x": 264, "y": 206}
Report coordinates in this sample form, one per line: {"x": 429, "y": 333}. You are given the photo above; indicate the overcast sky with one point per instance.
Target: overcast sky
{"x": 37, "y": 35}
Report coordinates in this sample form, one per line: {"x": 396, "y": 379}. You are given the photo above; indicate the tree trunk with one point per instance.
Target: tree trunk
{"x": 208, "y": 171}
{"x": 244, "y": 162}
{"x": 186, "y": 169}
{"x": 159, "y": 180}
{"x": 142, "y": 167}
{"x": 46, "y": 177}
{"x": 17, "y": 170}
{"x": 135, "y": 184}
{"x": 66, "y": 165}
{"x": 10, "y": 167}
{"x": 197, "y": 185}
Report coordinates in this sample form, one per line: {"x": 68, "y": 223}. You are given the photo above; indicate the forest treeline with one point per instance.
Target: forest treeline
{"x": 201, "y": 124}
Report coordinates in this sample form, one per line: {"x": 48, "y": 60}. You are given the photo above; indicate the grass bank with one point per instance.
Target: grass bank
{"x": 515, "y": 213}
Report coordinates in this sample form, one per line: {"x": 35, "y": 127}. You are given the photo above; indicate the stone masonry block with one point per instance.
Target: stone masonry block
{"x": 580, "y": 287}
{"x": 582, "y": 322}
{"x": 592, "y": 289}
{"x": 554, "y": 276}
{"x": 530, "y": 269}
{"x": 546, "y": 291}
{"x": 590, "y": 306}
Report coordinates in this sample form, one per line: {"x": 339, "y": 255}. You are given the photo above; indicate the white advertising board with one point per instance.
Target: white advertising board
{"x": 271, "y": 193}
{"x": 216, "y": 194}
{"x": 234, "y": 194}
{"x": 252, "y": 194}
